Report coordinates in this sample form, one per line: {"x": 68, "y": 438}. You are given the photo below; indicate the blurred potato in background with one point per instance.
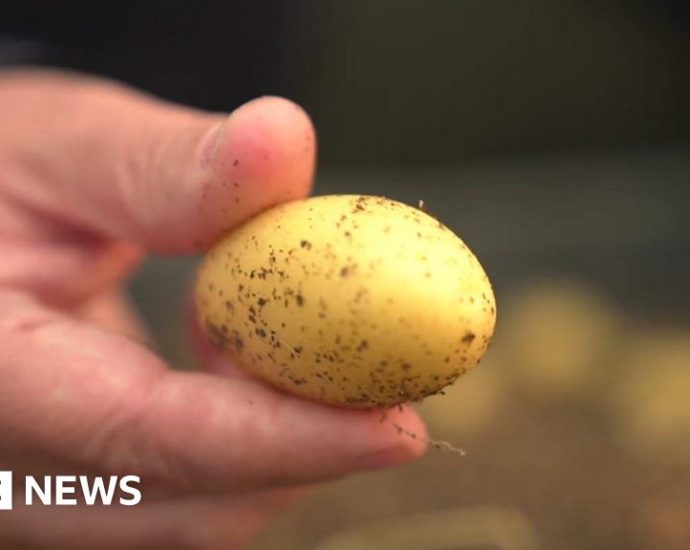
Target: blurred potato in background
{"x": 650, "y": 403}
{"x": 471, "y": 405}
{"x": 557, "y": 336}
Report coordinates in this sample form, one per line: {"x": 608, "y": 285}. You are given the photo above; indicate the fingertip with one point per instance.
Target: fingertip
{"x": 400, "y": 435}
{"x": 263, "y": 154}
{"x": 268, "y": 149}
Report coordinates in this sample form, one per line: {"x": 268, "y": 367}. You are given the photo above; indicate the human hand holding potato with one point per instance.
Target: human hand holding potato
{"x": 92, "y": 177}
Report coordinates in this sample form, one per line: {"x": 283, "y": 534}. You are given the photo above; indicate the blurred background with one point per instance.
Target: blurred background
{"x": 554, "y": 137}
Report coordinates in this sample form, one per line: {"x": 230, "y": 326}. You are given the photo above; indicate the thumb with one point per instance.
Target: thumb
{"x": 167, "y": 178}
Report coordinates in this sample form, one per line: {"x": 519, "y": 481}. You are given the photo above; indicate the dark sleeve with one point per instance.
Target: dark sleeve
{"x": 212, "y": 55}
{"x": 23, "y": 52}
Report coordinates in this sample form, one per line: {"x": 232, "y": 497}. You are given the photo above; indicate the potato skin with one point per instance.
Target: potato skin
{"x": 351, "y": 300}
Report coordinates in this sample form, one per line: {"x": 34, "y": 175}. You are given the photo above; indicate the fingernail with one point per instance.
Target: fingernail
{"x": 211, "y": 143}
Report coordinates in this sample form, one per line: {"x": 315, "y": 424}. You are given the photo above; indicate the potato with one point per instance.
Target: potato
{"x": 356, "y": 301}
{"x": 478, "y": 401}
{"x": 559, "y": 334}
{"x": 649, "y": 406}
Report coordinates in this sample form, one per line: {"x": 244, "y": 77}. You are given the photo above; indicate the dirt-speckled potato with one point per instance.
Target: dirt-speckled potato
{"x": 350, "y": 300}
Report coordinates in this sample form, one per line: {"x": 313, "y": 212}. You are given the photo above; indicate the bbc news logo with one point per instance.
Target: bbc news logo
{"x": 5, "y": 490}
{"x": 68, "y": 490}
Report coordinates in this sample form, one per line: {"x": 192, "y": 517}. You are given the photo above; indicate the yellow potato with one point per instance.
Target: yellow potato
{"x": 649, "y": 406}
{"x": 478, "y": 401}
{"x": 559, "y": 334}
{"x": 351, "y": 300}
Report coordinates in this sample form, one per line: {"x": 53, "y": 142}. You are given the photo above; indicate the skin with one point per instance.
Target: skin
{"x": 94, "y": 176}
{"x": 351, "y": 300}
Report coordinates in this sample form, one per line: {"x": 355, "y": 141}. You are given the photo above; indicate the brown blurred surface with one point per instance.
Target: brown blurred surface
{"x": 577, "y": 424}
{"x": 580, "y": 461}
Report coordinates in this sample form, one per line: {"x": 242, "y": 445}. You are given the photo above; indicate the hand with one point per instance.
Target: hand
{"x": 93, "y": 176}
